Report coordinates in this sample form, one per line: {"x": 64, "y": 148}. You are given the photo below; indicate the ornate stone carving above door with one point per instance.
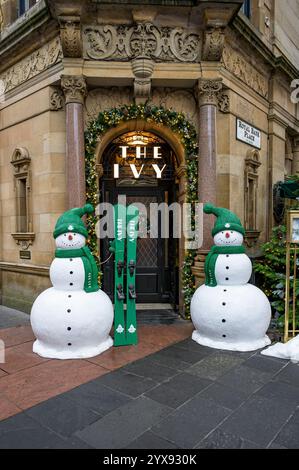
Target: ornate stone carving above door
{"x": 178, "y": 99}
{"x": 122, "y": 42}
{"x": 105, "y": 98}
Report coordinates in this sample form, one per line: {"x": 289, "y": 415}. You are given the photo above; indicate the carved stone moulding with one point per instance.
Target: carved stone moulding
{"x": 213, "y": 44}
{"x": 24, "y": 239}
{"x": 142, "y": 68}
{"x": 105, "y": 98}
{"x": 35, "y": 63}
{"x": 71, "y": 38}
{"x": 123, "y": 42}
{"x": 181, "y": 99}
{"x": 235, "y": 63}
{"x": 208, "y": 90}
{"x": 74, "y": 88}
{"x": 223, "y": 102}
{"x": 20, "y": 160}
{"x": 56, "y": 99}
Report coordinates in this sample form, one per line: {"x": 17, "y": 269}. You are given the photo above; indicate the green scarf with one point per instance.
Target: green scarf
{"x": 211, "y": 260}
{"x": 90, "y": 267}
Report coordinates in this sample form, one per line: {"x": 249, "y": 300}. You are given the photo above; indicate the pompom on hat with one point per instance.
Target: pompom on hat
{"x": 226, "y": 220}
{"x": 71, "y": 221}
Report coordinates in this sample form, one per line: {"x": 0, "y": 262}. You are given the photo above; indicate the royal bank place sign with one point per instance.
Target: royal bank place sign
{"x": 248, "y": 134}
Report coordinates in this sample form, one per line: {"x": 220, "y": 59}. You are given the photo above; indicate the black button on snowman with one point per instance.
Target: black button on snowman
{"x": 227, "y": 312}
{"x": 73, "y": 318}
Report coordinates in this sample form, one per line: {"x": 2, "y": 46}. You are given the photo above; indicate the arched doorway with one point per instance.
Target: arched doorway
{"x": 142, "y": 166}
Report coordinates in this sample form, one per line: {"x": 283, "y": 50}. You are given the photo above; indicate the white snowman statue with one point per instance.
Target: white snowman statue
{"x": 227, "y": 312}
{"x": 72, "y": 319}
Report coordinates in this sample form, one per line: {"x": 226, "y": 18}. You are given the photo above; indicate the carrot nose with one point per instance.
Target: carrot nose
{"x": 227, "y": 235}
{"x": 70, "y": 237}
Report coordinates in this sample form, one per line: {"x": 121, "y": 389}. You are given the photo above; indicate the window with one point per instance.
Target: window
{"x": 24, "y": 5}
{"x": 22, "y": 213}
{"x": 246, "y": 8}
{"x": 23, "y": 226}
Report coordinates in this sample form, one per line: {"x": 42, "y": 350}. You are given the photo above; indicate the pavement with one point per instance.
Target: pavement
{"x": 166, "y": 393}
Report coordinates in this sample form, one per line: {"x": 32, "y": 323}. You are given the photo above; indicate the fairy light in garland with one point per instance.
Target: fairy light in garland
{"x": 178, "y": 124}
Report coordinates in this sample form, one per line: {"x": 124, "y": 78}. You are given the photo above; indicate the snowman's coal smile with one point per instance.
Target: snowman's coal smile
{"x": 71, "y": 245}
{"x": 229, "y": 242}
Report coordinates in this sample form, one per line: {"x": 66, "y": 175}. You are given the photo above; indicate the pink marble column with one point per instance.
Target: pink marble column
{"x": 207, "y": 90}
{"x": 74, "y": 88}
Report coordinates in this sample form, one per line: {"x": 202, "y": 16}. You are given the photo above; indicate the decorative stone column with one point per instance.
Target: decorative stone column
{"x": 74, "y": 88}
{"x": 208, "y": 90}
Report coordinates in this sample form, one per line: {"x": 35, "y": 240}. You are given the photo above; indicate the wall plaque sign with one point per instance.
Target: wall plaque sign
{"x": 248, "y": 134}
{"x": 25, "y": 254}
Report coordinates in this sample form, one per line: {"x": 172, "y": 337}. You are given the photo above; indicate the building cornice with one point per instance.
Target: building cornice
{"x": 254, "y": 38}
{"x": 16, "y": 40}
{"x": 24, "y": 268}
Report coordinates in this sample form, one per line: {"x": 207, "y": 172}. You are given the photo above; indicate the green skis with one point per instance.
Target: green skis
{"x": 132, "y": 231}
{"x": 126, "y": 229}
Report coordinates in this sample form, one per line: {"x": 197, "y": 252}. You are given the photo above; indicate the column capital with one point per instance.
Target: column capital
{"x": 74, "y": 88}
{"x": 208, "y": 90}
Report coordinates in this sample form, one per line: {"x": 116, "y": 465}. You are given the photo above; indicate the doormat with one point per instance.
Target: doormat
{"x": 157, "y": 317}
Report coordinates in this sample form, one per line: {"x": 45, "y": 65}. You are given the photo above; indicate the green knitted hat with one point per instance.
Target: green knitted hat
{"x": 71, "y": 221}
{"x": 226, "y": 220}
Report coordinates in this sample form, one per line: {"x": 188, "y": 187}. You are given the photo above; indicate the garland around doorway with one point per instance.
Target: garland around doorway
{"x": 179, "y": 125}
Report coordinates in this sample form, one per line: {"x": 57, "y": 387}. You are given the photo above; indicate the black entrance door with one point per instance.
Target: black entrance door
{"x": 156, "y": 273}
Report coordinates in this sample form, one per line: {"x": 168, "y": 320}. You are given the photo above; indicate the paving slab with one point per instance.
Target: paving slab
{"x": 224, "y": 396}
{"x": 290, "y": 374}
{"x": 288, "y": 437}
{"x": 147, "y": 368}
{"x": 265, "y": 363}
{"x": 258, "y": 420}
{"x": 177, "y": 390}
{"x": 215, "y": 365}
{"x": 190, "y": 423}
{"x": 281, "y": 391}
{"x": 23, "y": 432}
{"x": 96, "y": 397}
{"x": 129, "y": 384}
{"x": 62, "y": 416}
{"x": 246, "y": 379}
{"x": 149, "y": 440}
{"x": 122, "y": 426}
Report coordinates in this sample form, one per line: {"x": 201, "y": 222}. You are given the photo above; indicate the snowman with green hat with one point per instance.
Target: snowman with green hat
{"x": 73, "y": 318}
{"x": 227, "y": 312}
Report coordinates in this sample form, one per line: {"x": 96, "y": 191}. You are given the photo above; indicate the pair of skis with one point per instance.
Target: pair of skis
{"x": 126, "y": 229}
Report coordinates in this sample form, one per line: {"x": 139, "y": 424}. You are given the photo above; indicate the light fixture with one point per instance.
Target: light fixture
{"x": 138, "y": 139}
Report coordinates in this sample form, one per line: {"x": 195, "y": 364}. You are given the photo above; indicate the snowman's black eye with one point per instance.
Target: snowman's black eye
{"x": 74, "y": 234}
{"x": 64, "y": 234}
{"x": 231, "y": 232}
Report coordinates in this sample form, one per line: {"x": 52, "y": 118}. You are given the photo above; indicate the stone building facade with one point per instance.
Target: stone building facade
{"x": 226, "y": 65}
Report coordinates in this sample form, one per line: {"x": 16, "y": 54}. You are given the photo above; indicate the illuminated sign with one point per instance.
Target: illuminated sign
{"x": 143, "y": 157}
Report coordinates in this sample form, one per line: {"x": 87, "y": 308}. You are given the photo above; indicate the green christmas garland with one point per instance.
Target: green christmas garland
{"x": 188, "y": 137}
